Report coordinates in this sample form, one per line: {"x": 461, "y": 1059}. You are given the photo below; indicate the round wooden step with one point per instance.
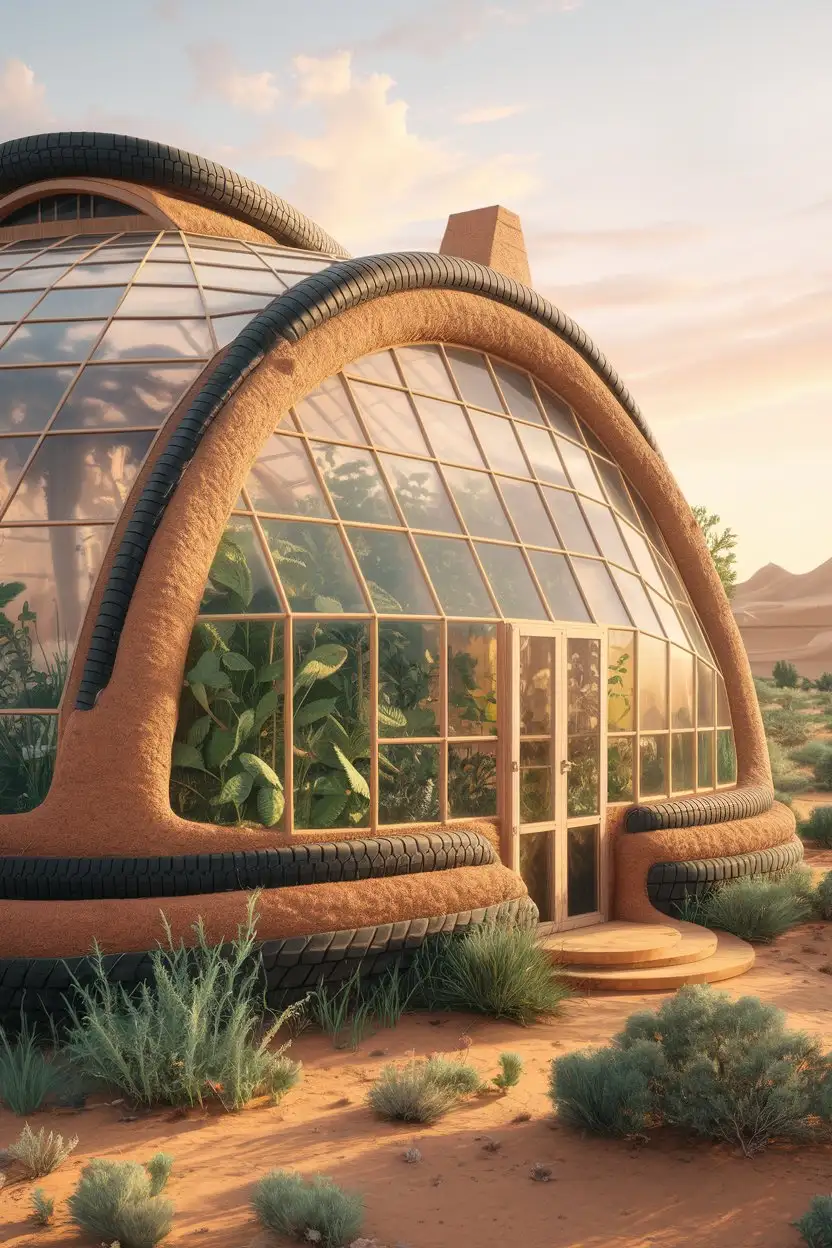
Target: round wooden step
{"x": 613, "y": 944}
{"x": 731, "y": 957}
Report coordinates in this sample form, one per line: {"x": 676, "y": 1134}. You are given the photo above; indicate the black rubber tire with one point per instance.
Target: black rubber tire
{"x": 693, "y": 812}
{"x": 669, "y": 883}
{"x": 85, "y": 879}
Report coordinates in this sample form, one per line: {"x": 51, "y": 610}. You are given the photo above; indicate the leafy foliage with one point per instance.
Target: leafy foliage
{"x": 787, "y": 727}
{"x": 754, "y": 908}
{"x": 41, "y": 1154}
{"x": 115, "y": 1200}
{"x": 511, "y": 1068}
{"x": 818, "y": 827}
{"x": 824, "y": 896}
{"x": 422, "y": 1091}
{"x": 27, "y": 1075}
{"x": 43, "y": 1207}
{"x": 313, "y": 1210}
{"x": 816, "y": 1224}
{"x": 823, "y": 772}
{"x": 722, "y": 547}
{"x": 785, "y": 674}
{"x": 608, "y": 1091}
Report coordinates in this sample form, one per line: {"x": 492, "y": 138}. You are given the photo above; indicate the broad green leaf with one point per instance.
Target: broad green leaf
{"x": 261, "y": 771}
{"x": 230, "y": 569}
{"x": 382, "y": 600}
{"x": 235, "y": 790}
{"x": 335, "y": 732}
{"x": 357, "y": 782}
{"x": 245, "y": 725}
{"x": 187, "y": 756}
{"x": 199, "y": 730}
{"x": 10, "y": 590}
{"x": 234, "y": 662}
{"x": 271, "y": 671}
{"x": 200, "y": 694}
{"x": 329, "y": 784}
{"x": 392, "y": 717}
{"x": 267, "y": 706}
{"x": 214, "y": 636}
{"x": 314, "y": 711}
{"x": 330, "y": 606}
{"x": 326, "y": 811}
{"x": 270, "y": 803}
{"x": 320, "y": 663}
{"x": 220, "y": 747}
{"x": 207, "y": 671}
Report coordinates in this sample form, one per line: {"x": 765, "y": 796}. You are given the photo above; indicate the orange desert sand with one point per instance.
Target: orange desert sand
{"x": 783, "y": 615}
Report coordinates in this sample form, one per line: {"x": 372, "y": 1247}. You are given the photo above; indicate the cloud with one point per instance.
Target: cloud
{"x": 440, "y": 26}
{"x": 216, "y": 75}
{"x": 660, "y": 234}
{"x": 481, "y": 116}
{"x": 168, "y": 10}
{"x": 23, "y": 105}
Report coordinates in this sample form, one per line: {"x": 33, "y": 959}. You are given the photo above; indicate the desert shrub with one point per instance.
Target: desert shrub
{"x": 823, "y": 771}
{"x": 608, "y": 1091}
{"x": 27, "y": 1075}
{"x": 786, "y": 726}
{"x": 194, "y": 1034}
{"x": 811, "y": 753}
{"x": 315, "y": 1210}
{"x": 511, "y": 1068}
{"x": 785, "y": 674}
{"x": 824, "y": 896}
{"x": 818, "y": 827}
{"x": 816, "y": 1224}
{"x": 422, "y": 1091}
{"x": 41, "y": 1154}
{"x": 786, "y": 775}
{"x": 43, "y": 1207}
{"x": 115, "y": 1200}
{"x": 159, "y": 1168}
{"x": 767, "y": 691}
{"x": 754, "y": 908}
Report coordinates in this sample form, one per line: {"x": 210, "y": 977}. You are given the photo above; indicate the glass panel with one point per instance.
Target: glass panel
{"x": 125, "y": 394}
{"x": 674, "y": 584}
{"x": 99, "y": 275}
{"x": 393, "y": 576}
{"x": 313, "y": 566}
{"x": 28, "y": 745}
{"x": 424, "y": 369}
{"x": 579, "y": 467}
{"x": 600, "y": 593}
{"x": 155, "y": 340}
{"x": 558, "y": 413}
{"x": 389, "y": 418}
{"x": 14, "y": 453}
{"x": 330, "y": 708}
{"x": 499, "y": 443}
{"x": 569, "y": 519}
{"x": 408, "y": 679}
{"x": 726, "y": 757}
{"x": 239, "y": 580}
{"x": 536, "y": 685}
{"x": 15, "y": 305}
{"x": 669, "y": 619}
{"x": 638, "y": 604}
{"x": 583, "y": 725}
{"x": 608, "y": 536}
{"x": 681, "y": 688}
{"x": 80, "y": 477}
{"x": 527, "y": 512}
{"x": 682, "y": 761}
{"x": 648, "y": 523}
{"x": 408, "y": 784}
{"x": 653, "y": 763}
{"x": 54, "y": 570}
{"x": 518, "y": 392}
{"x": 472, "y": 680}
{"x": 558, "y": 584}
{"x": 355, "y": 484}
{"x": 421, "y": 494}
{"x": 652, "y": 682}
{"x": 581, "y": 871}
{"x": 219, "y": 301}
{"x": 94, "y": 301}
{"x": 239, "y": 692}
{"x": 695, "y": 633}
{"x": 473, "y": 378}
{"x": 540, "y": 448}
{"x": 705, "y": 695}
{"x": 621, "y": 687}
{"x": 379, "y": 366}
{"x": 705, "y": 760}
{"x": 537, "y": 795}
{"x": 511, "y": 582}
{"x": 593, "y": 442}
{"x": 32, "y": 279}
{"x": 58, "y": 341}
{"x": 261, "y": 280}
{"x": 216, "y": 255}
{"x": 449, "y": 432}
{"x": 227, "y": 328}
{"x": 644, "y": 560}
{"x": 616, "y": 490}
{"x": 29, "y": 396}
{"x": 455, "y": 576}
{"x": 472, "y": 779}
{"x": 620, "y": 769}
{"x": 326, "y": 413}
{"x": 283, "y": 480}
{"x": 723, "y": 713}
{"x": 150, "y": 301}
{"x": 477, "y": 499}
{"x": 535, "y": 869}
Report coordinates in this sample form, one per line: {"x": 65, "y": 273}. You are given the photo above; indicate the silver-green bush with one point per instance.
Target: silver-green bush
{"x": 754, "y": 908}
{"x": 40, "y": 1154}
{"x": 818, "y": 827}
{"x": 824, "y": 896}
{"x": 43, "y": 1207}
{"x": 816, "y": 1224}
{"x": 422, "y": 1091}
{"x": 315, "y": 1210}
{"x": 608, "y": 1091}
{"x": 27, "y": 1075}
{"x": 114, "y": 1200}
{"x": 511, "y": 1068}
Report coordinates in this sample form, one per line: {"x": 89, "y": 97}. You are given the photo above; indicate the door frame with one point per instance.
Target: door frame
{"x": 560, "y": 825}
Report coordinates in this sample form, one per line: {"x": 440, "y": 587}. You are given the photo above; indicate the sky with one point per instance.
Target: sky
{"x": 669, "y": 159}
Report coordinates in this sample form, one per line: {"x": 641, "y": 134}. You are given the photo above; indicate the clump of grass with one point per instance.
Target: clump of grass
{"x": 786, "y": 725}
{"x": 27, "y": 1075}
{"x": 315, "y": 1210}
{"x": 41, "y": 1154}
{"x": 159, "y": 1168}
{"x": 422, "y": 1091}
{"x": 824, "y": 897}
{"x": 786, "y": 776}
{"x": 607, "y": 1091}
{"x": 816, "y": 1224}
{"x": 193, "y": 1035}
{"x": 43, "y": 1207}
{"x": 811, "y": 753}
{"x": 332, "y": 1009}
{"x": 391, "y": 997}
{"x": 115, "y": 1200}
{"x": 818, "y": 827}
{"x": 753, "y": 908}
{"x": 823, "y": 771}
{"x": 511, "y": 1068}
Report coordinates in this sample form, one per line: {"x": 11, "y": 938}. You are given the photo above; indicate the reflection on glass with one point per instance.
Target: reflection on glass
{"x": 473, "y": 378}
{"x": 638, "y": 604}
{"x": 455, "y": 576}
{"x": 31, "y": 279}
{"x": 313, "y": 566}
{"x": 681, "y": 688}
{"x": 648, "y": 522}
{"x": 726, "y": 757}
{"x": 80, "y": 477}
{"x": 584, "y": 777}
{"x": 581, "y": 871}
{"x": 695, "y": 633}
{"x": 558, "y": 584}
{"x": 424, "y": 370}
{"x": 616, "y": 490}
{"x": 155, "y": 340}
{"x": 682, "y": 761}
{"x": 558, "y": 414}
{"x": 579, "y": 467}
{"x": 477, "y": 499}
{"x": 644, "y": 560}
{"x": 283, "y": 480}
{"x": 14, "y": 453}
{"x": 449, "y": 432}
{"x": 326, "y": 413}
{"x": 535, "y": 870}
{"x": 537, "y": 795}
{"x": 408, "y": 783}
{"x": 408, "y": 679}
{"x": 705, "y": 760}
{"x": 226, "y": 301}
{"x": 393, "y": 576}
{"x": 652, "y": 683}
{"x": 653, "y": 766}
{"x": 570, "y": 522}
{"x": 124, "y": 394}
{"x": 536, "y": 685}
{"x": 239, "y": 580}
{"x": 354, "y": 483}
{"x": 13, "y": 305}
{"x": 389, "y": 418}
{"x": 527, "y": 512}
{"x": 669, "y": 618}
{"x": 593, "y": 442}
{"x": 518, "y": 392}
{"x": 30, "y": 396}
{"x": 705, "y": 695}
{"x": 380, "y": 366}
{"x": 153, "y": 301}
{"x": 472, "y": 680}
{"x": 159, "y": 273}
{"x": 472, "y": 779}
{"x": 50, "y": 341}
{"x": 583, "y": 705}
{"x": 621, "y": 701}
{"x": 261, "y": 281}
{"x": 28, "y": 746}
{"x": 606, "y": 532}
{"x": 539, "y": 446}
{"x": 95, "y": 301}
{"x": 215, "y": 255}
{"x": 723, "y": 713}
{"x": 496, "y": 437}
{"x": 600, "y": 593}
{"x": 420, "y": 493}
{"x": 511, "y": 581}
{"x": 99, "y": 275}
{"x": 620, "y": 769}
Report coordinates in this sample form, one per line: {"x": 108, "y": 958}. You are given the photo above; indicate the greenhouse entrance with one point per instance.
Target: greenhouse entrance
{"x": 557, "y": 791}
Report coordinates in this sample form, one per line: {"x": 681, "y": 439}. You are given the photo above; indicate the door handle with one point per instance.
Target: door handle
{"x": 565, "y": 766}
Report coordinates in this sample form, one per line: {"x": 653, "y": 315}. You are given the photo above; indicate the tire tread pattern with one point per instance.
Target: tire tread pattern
{"x": 669, "y": 883}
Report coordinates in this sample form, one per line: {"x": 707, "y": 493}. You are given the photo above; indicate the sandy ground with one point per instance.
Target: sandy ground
{"x": 669, "y": 1193}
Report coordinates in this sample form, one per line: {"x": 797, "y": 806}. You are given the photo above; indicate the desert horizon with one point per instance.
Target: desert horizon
{"x": 786, "y": 615}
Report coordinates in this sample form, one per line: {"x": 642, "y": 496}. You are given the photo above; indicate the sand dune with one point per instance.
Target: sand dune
{"x": 787, "y": 615}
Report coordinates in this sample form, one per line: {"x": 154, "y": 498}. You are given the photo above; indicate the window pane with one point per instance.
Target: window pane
{"x": 653, "y": 763}
{"x": 607, "y": 535}
{"x": 239, "y": 580}
{"x": 694, "y": 631}
{"x": 621, "y": 700}
{"x": 669, "y": 618}
{"x": 593, "y": 442}
{"x": 326, "y": 413}
{"x": 227, "y": 328}
{"x": 535, "y": 869}
{"x": 473, "y": 378}
{"x": 674, "y": 584}
{"x": 354, "y": 483}
{"x": 570, "y": 522}
{"x": 616, "y": 490}
{"x": 449, "y": 432}
{"x": 283, "y": 480}
{"x": 425, "y": 370}
{"x": 583, "y": 725}
{"x": 499, "y": 443}
{"x": 125, "y": 394}
{"x": 30, "y": 396}
{"x": 558, "y": 584}
{"x": 539, "y": 445}
{"x": 583, "y": 778}
{"x": 726, "y": 757}
{"x": 681, "y": 688}
{"x": 537, "y": 795}
{"x": 155, "y": 340}
{"x": 527, "y": 512}
{"x": 705, "y": 695}
{"x": 638, "y": 604}
{"x": 313, "y": 566}
{"x": 579, "y": 467}
{"x": 652, "y": 682}
{"x": 705, "y": 760}
{"x": 518, "y": 392}
{"x": 58, "y": 341}
{"x": 99, "y": 275}
{"x": 32, "y": 279}
{"x": 220, "y": 301}
{"x": 80, "y": 477}
{"x": 581, "y": 871}
{"x": 536, "y": 685}
{"x": 648, "y": 522}
{"x": 389, "y": 418}
{"x": 600, "y": 593}
{"x": 477, "y": 499}
{"x": 14, "y": 453}
{"x": 643, "y": 559}
{"x": 408, "y": 679}
{"x": 95, "y": 301}
{"x": 408, "y": 783}
{"x": 28, "y": 746}
{"x": 455, "y": 576}
{"x": 723, "y": 713}
{"x": 379, "y": 366}
{"x": 150, "y": 301}
{"x": 393, "y": 576}
{"x": 682, "y": 765}
{"x": 14, "y": 305}
{"x": 472, "y": 680}
{"x": 421, "y": 494}
{"x": 472, "y": 779}
{"x": 513, "y": 587}
{"x": 620, "y": 769}
{"x": 222, "y": 278}
{"x": 205, "y": 254}
{"x": 558, "y": 413}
